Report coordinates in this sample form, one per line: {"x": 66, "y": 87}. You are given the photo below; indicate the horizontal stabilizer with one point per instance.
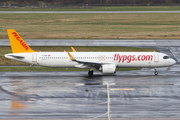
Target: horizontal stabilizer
{"x": 10, "y": 56}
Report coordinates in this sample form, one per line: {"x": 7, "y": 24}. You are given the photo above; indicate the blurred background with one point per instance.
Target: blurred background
{"x": 83, "y": 3}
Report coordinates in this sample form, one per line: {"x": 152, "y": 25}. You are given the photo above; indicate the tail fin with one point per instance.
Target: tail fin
{"x": 18, "y": 45}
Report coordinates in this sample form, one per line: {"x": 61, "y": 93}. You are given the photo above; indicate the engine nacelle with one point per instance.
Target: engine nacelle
{"x": 108, "y": 68}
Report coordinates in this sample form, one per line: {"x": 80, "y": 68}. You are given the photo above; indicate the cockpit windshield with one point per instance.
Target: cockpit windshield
{"x": 166, "y": 57}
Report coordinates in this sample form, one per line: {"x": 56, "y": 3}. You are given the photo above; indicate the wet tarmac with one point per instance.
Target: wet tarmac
{"x": 96, "y": 42}
{"x": 74, "y": 95}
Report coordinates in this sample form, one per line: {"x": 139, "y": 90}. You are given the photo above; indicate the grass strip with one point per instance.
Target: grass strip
{"x": 92, "y": 26}
{"x": 106, "y": 8}
{"x": 54, "y": 69}
{"x": 6, "y": 50}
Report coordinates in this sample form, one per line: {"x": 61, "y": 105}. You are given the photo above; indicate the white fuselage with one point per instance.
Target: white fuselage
{"x": 120, "y": 59}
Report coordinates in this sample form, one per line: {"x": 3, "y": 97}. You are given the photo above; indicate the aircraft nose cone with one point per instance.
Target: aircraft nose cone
{"x": 173, "y": 61}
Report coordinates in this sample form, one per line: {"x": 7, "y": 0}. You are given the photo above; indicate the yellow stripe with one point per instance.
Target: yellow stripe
{"x": 123, "y": 89}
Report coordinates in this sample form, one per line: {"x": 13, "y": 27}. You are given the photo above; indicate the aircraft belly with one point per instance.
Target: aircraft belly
{"x": 134, "y": 64}
{"x": 69, "y": 64}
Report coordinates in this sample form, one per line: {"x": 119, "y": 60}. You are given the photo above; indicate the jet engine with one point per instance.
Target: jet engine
{"x": 108, "y": 68}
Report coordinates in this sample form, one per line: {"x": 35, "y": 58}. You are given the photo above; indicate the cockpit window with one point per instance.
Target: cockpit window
{"x": 166, "y": 57}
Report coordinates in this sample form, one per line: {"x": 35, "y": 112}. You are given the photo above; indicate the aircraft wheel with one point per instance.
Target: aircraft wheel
{"x": 155, "y": 73}
{"x": 90, "y": 73}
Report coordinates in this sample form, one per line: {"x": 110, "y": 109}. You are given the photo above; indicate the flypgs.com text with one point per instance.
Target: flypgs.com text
{"x": 129, "y": 58}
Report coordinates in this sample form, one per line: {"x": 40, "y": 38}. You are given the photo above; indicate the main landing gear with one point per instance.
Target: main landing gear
{"x": 90, "y": 73}
{"x": 155, "y": 72}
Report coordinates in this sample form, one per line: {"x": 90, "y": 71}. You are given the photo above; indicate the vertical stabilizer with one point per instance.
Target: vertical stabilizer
{"x": 18, "y": 45}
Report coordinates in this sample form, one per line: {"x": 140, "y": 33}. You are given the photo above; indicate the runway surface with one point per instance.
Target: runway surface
{"x": 103, "y": 42}
{"x": 74, "y": 95}
{"x": 30, "y": 12}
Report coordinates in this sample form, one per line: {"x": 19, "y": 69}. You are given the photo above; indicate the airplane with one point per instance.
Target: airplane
{"x": 105, "y": 62}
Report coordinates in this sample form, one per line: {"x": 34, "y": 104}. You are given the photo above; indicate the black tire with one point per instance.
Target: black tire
{"x": 155, "y": 73}
{"x": 90, "y": 73}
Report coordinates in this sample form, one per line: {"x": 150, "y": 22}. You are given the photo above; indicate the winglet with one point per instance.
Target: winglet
{"x": 18, "y": 45}
{"x": 73, "y": 49}
{"x": 70, "y": 56}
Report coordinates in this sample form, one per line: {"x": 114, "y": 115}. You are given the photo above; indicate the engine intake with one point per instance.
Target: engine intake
{"x": 108, "y": 68}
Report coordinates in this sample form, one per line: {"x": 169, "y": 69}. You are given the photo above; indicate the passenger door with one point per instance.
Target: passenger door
{"x": 34, "y": 58}
{"x": 156, "y": 57}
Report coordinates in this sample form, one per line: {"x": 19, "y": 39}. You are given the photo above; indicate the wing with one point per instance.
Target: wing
{"x": 73, "y": 49}
{"x": 86, "y": 63}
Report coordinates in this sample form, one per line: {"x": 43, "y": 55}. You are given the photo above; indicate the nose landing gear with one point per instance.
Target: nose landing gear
{"x": 155, "y": 72}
